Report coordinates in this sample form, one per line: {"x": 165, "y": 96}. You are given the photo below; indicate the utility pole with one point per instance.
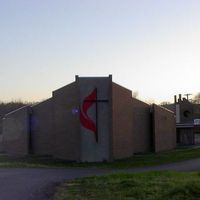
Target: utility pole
{"x": 187, "y": 95}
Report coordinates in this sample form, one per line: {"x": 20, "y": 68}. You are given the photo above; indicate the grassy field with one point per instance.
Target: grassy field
{"x": 135, "y": 161}
{"x": 135, "y": 186}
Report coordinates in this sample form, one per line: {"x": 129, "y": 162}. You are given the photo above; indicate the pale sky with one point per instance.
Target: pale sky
{"x": 149, "y": 46}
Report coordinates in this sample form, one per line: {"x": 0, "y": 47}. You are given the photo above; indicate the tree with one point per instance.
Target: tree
{"x": 165, "y": 103}
{"x": 135, "y": 94}
{"x": 149, "y": 101}
{"x": 196, "y": 98}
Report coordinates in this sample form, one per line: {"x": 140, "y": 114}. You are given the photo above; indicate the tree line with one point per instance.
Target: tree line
{"x": 6, "y": 107}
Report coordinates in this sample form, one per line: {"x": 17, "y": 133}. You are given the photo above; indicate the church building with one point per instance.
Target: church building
{"x": 91, "y": 119}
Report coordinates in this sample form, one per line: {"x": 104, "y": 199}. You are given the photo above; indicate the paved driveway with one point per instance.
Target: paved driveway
{"x": 39, "y": 184}
{"x": 36, "y": 184}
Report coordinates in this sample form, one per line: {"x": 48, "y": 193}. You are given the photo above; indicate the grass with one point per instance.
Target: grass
{"x": 139, "y": 160}
{"x": 136, "y": 186}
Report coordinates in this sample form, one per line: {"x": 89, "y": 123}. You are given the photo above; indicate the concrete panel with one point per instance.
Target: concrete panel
{"x": 42, "y": 130}
{"x": 16, "y": 132}
{"x": 142, "y": 128}
{"x": 92, "y": 150}
{"x": 164, "y": 129}
{"x": 66, "y": 123}
{"x": 122, "y": 122}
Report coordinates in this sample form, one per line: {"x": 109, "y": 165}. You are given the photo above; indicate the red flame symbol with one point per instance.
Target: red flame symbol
{"x": 84, "y": 118}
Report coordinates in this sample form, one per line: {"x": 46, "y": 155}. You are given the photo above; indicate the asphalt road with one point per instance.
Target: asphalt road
{"x": 36, "y": 184}
{"x": 39, "y": 184}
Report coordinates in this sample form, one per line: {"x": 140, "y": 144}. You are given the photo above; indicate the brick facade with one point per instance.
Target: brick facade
{"x": 16, "y": 129}
{"x": 124, "y": 125}
{"x": 142, "y": 127}
{"x": 164, "y": 129}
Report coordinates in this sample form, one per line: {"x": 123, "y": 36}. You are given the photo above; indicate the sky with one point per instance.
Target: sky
{"x": 149, "y": 46}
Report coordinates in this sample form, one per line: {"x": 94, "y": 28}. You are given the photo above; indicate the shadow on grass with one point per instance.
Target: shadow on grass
{"x": 138, "y": 160}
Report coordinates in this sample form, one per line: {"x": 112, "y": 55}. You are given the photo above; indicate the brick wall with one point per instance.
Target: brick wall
{"x": 16, "y": 132}
{"x": 122, "y": 120}
{"x": 42, "y": 128}
{"x": 142, "y": 129}
{"x": 66, "y": 123}
{"x": 164, "y": 127}
{"x": 186, "y": 111}
{"x": 1, "y": 142}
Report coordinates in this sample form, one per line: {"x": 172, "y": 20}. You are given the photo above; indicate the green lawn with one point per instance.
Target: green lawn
{"x": 135, "y": 186}
{"x": 135, "y": 161}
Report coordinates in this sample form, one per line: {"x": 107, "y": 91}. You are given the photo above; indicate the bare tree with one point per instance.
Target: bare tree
{"x": 196, "y": 98}
{"x": 135, "y": 94}
{"x": 165, "y": 103}
{"x": 149, "y": 101}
